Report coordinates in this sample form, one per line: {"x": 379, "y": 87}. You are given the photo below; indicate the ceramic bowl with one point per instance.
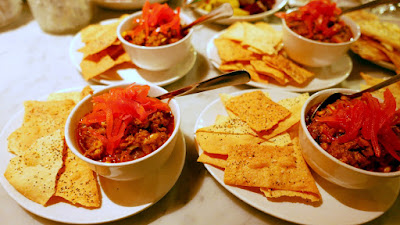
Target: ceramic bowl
{"x": 130, "y": 170}
{"x": 155, "y": 58}
{"x": 279, "y": 4}
{"x": 315, "y": 53}
{"x": 328, "y": 166}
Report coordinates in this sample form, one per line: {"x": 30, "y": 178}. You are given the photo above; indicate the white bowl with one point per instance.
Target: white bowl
{"x": 279, "y": 4}
{"x": 155, "y": 58}
{"x": 315, "y": 53}
{"x": 328, "y": 166}
{"x": 130, "y": 170}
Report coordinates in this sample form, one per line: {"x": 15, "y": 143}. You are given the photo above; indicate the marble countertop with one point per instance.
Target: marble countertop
{"x": 34, "y": 64}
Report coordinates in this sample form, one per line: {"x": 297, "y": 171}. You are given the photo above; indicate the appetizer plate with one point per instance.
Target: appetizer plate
{"x": 160, "y": 78}
{"x": 349, "y": 206}
{"x": 124, "y": 4}
{"x": 325, "y": 77}
{"x": 119, "y": 199}
{"x": 279, "y": 4}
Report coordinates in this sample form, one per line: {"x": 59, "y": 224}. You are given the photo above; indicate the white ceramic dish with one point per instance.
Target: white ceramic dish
{"x": 123, "y": 4}
{"x": 250, "y": 18}
{"x": 130, "y": 75}
{"x": 326, "y": 165}
{"x": 316, "y": 53}
{"x": 157, "y": 58}
{"x": 130, "y": 170}
{"x": 325, "y": 77}
{"x": 338, "y": 206}
{"x": 128, "y": 200}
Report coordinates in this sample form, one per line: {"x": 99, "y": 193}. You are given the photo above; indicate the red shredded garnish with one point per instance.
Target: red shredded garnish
{"x": 118, "y": 108}
{"x": 156, "y": 19}
{"x": 318, "y": 20}
{"x": 369, "y": 118}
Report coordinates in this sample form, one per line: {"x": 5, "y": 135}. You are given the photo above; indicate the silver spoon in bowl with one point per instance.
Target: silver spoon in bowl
{"x": 221, "y": 12}
{"x": 228, "y": 79}
{"x": 335, "y": 96}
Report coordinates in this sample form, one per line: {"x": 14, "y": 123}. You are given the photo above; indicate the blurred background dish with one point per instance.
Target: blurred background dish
{"x": 279, "y": 4}
{"x": 124, "y": 4}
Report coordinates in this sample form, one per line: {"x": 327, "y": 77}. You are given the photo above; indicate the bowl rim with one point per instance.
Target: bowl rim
{"x": 274, "y": 9}
{"x": 136, "y": 14}
{"x": 119, "y": 164}
{"x": 344, "y": 18}
{"x": 320, "y": 149}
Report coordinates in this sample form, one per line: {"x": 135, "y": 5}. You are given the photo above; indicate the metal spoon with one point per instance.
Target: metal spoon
{"x": 228, "y": 79}
{"x": 369, "y": 4}
{"x": 335, "y": 96}
{"x": 221, "y": 12}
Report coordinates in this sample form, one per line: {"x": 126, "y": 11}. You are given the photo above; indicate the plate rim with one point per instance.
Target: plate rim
{"x": 210, "y": 48}
{"x": 233, "y": 190}
{"x": 74, "y": 57}
{"x": 31, "y": 206}
{"x": 254, "y": 17}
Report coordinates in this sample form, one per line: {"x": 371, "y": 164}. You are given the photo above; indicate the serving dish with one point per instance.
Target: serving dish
{"x": 329, "y": 167}
{"x": 325, "y": 77}
{"x": 135, "y": 74}
{"x": 250, "y": 18}
{"x": 155, "y": 58}
{"x": 349, "y": 206}
{"x": 119, "y": 199}
{"x": 134, "y": 169}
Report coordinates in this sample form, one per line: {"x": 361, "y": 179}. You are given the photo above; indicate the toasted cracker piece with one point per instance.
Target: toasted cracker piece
{"x": 77, "y": 183}
{"x": 34, "y": 172}
{"x": 41, "y": 118}
{"x": 262, "y": 67}
{"x": 363, "y": 48}
{"x": 213, "y": 159}
{"x": 229, "y": 50}
{"x": 257, "y": 110}
{"x": 370, "y": 25}
{"x": 291, "y": 69}
{"x": 220, "y": 143}
{"x": 268, "y": 167}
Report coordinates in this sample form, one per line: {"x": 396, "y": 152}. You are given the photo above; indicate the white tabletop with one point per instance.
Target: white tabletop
{"x": 34, "y": 64}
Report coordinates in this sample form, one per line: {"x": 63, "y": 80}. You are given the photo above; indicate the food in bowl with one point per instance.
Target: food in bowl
{"x": 158, "y": 53}
{"x": 361, "y": 132}
{"x": 158, "y": 25}
{"x": 125, "y": 124}
{"x": 240, "y": 7}
{"x": 318, "y": 20}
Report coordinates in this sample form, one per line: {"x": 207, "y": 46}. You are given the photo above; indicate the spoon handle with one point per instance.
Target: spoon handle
{"x": 228, "y": 79}
{"x": 383, "y": 84}
{"x": 223, "y": 11}
{"x": 369, "y": 4}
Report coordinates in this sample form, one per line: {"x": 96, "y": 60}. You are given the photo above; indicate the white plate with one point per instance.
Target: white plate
{"x": 119, "y": 199}
{"x": 325, "y": 77}
{"x": 160, "y": 78}
{"x": 250, "y": 18}
{"x": 124, "y": 4}
{"x": 338, "y": 206}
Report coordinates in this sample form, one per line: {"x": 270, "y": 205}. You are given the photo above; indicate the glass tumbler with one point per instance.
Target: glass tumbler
{"x": 61, "y": 16}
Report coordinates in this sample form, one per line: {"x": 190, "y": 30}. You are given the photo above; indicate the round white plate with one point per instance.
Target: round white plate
{"x": 119, "y": 199}
{"x": 124, "y": 4}
{"x": 279, "y": 4}
{"x": 325, "y": 77}
{"x": 160, "y": 78}
{"x": 338, "y": 206}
